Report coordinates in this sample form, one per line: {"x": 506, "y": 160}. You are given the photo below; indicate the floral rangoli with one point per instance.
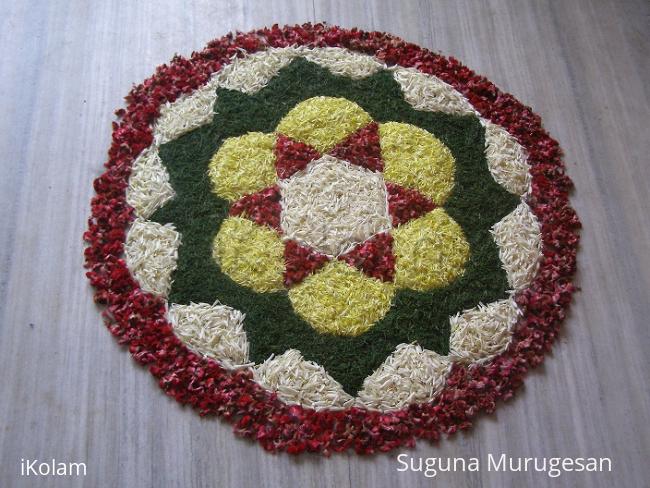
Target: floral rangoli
{"x": 332, "y": 238}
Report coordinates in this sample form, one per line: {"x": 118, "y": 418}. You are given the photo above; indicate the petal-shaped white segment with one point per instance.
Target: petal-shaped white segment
{"x": 342, "y": 62}
{"x": 482, "y": 332}
{"x": 507, "y": 159}
{"x": 149, "y": 187}
{"x": 519, "y": 240}
{"x": 186, "y": 113}
{"x": 297, "y": 380}
{"x": 252, "y": 73}
{"x": 410, "y": 374}
{"x": 429, "y": 93}
{"x": 215, "y": 331}
{"x": 151, "y": 254}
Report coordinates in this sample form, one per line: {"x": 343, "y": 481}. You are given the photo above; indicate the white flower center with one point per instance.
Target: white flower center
{"x": 333, "y": 205}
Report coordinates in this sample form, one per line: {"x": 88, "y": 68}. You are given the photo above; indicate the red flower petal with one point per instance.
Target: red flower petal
{"x": 292, "y": 156}
{"x": 262, "y": 207}
{"x": 374, "y": 257}
{"x": 362, "y": 148}
{"x": 406, "y": 204}
{"x": 300, "y": 262}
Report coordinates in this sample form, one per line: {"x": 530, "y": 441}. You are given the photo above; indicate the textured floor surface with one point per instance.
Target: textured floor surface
{"x": 68, "y": 391}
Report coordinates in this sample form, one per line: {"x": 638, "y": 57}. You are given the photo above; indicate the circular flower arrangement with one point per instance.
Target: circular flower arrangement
{"x": 332, "y": 238}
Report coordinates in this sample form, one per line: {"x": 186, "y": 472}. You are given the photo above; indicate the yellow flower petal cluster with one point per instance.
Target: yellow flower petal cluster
{"x": 323, "y": 122}
{"x": 414, "y": 158}
{"x": 340, "y": 300}
{"x": 250, "y": 254}
{"x": 243, "y": 165}
{"x": 430, "y": 251}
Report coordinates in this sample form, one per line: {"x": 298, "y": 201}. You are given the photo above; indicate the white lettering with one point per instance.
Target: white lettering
{"x": 493, "y": 466}
{"x": 30, "y": 467}
{"x": 77, "y": 467}
{"x": 33, "y": 467}
{"x": 553, "y": 467}
{"x": 609, "y": 464}
{"x": 430, "y": 471}
{"x": 401, "y": 461}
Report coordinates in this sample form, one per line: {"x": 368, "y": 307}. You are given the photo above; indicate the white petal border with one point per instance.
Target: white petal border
{"x": 216, "y": 331}
{"x": 519, "y": 241}
{"x": 410, "y": 374}
{"x": 151, "y": 251}
{"x": 479, "y": 334}
{"x": 430, "y": 94}
{"x": 186, "y": 113}
{"x": 149, "y": 187}
{"x": 253, "y": 72}
{"x": 303, "y": 382}
{"x": 507, "y": 159}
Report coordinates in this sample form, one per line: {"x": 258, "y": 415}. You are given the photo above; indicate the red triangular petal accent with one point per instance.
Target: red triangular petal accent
{"x": 406, "y": 204}
{"x": 362, "y": 148}
{"x": 262, "y": 207}
{"x": 374, "y": 257}
{"x": 300, "y": 261}
{"x": 292, "y": 156}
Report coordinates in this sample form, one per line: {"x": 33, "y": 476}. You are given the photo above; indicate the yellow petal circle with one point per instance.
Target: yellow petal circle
{"x": 340, "y": 300}
{"x": 323, "y": 122}
{"x": 415, "y": 158}
{"x": 250, "y": 254}
{"x": 243, "y": 165}
{"x": 430, "y": 252}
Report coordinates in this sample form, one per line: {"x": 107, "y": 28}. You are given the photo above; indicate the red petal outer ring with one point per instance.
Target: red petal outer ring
{"x": 138, "y": 320}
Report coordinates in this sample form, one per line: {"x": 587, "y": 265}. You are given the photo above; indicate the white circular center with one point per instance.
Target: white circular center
{"x": 333, "y": 205}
